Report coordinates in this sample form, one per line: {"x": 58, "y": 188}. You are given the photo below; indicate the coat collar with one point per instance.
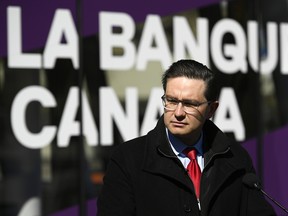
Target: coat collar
{"x": 215, "y": 142}
{"x": 160, "y": 159}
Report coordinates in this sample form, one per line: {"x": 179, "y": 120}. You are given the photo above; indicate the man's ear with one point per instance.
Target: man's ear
{"x": 212, "y": 109}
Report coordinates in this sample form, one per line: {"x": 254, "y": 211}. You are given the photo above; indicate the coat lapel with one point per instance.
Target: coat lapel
{"x": 170, "y": 168}
{"x": 161, "y": 160}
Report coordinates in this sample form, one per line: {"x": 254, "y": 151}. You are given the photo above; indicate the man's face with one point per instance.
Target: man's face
{"x": 187, "y": 126}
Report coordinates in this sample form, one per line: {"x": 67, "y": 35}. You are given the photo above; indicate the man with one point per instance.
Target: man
{"x": 150, "y": 175}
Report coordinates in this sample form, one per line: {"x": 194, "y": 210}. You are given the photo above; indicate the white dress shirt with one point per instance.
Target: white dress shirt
{"x": 178, "y": 146}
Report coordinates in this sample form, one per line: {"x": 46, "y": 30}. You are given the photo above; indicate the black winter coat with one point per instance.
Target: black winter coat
{"x": 145, "y": 178}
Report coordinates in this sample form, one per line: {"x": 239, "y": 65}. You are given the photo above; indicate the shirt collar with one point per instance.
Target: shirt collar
{"x": 178, "y": 146}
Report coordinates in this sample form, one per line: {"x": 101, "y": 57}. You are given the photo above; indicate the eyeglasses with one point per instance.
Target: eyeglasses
{"x": 189, "y": 106}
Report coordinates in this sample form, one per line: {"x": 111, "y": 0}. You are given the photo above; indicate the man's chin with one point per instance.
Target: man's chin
{"x": 179, "y": 132}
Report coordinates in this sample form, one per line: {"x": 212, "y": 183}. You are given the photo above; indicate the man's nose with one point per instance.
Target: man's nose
{"x": 180, "y": 110}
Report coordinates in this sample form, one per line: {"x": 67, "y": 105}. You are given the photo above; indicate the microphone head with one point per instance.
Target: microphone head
{"x": 251, "y": 180}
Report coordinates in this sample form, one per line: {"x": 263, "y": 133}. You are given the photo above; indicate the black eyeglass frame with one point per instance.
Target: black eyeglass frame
{"x": 185, "y": 104}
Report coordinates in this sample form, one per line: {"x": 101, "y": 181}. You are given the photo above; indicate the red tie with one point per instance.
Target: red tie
{"x": 193, "y": 170}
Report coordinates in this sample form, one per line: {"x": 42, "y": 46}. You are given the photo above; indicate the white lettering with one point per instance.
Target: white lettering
{"x": 18, "y": 117}
{"x": 70, "y": 127}
{"x": 184, "y": 39}
{"x": 234, "y": 57}
{"x": 16, "y": 58}
{"x": 253, "y": 45}
{"x": 269, "y": 61}
{"x": 62, "y": 28}
{"x": 153, "y": 45}
{"x": 153, "y": 110}
{"x": 269, "y": 55}
{"x": 228, "y": 105}
{"x": 111, "y": 109}
{"x": 110, "y": 40}
{"x": 284, "y": 47}
{"x": 31, "y": 207}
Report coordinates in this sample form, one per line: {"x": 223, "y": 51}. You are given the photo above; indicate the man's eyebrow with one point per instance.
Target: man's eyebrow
{"x": 184, "y": 100}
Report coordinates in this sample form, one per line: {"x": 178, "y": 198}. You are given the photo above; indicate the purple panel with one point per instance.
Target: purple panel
{"x": 74, "y": 211}
{"x": 274, "y": 162}
{"x": 137, "y": 9}
{"x": 275, "y": 170}
{"x": 37, "y": 15}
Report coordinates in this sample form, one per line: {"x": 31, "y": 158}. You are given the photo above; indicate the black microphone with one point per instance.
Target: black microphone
{"x": 251, "y": 180}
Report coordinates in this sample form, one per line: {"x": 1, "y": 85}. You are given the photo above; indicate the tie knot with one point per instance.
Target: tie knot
{"x": 191, "y": 153}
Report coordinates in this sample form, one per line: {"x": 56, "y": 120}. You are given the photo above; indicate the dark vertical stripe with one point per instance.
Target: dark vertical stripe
{"x": 81, "y": 155}
{"x": 259, "y": 99}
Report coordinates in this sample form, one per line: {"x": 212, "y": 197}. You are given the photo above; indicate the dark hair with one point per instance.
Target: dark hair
{"x": 193, "y": 70}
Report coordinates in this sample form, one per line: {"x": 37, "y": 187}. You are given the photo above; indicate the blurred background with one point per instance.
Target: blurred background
{"x": 79, "y": 77}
